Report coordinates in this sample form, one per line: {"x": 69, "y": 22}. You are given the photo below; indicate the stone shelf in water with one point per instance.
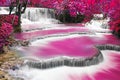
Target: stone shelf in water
{"x": 72, "y": 61}
{"x": 108, "y": 47}
{"x": 66, "y": 61}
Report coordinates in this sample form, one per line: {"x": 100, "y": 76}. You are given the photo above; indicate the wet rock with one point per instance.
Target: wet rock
{"x": 64, "y": 61}
{"x": 5, "y": 76}
{"x": 9, "y": 61}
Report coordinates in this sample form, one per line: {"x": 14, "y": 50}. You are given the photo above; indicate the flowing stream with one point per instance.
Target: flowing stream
{"x": 65, "y": 51}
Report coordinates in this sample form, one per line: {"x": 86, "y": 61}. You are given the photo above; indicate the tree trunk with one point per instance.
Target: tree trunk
{"x": 19, "y": 11}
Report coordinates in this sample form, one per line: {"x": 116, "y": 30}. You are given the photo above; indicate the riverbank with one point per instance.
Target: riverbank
{"x": 8, "y": 60}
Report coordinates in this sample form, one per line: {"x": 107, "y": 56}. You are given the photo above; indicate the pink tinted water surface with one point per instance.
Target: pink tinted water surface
{"x": 76, "y": 47}
{"x": 105, "y": 73}
{"x": 30, "y": 35}
{"x": 82, "y": 46}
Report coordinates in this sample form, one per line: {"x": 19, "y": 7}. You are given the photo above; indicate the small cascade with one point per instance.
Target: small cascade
{"x": 40, "y": 15}
{"x": 36, "y": 14}
{"x": 4, "y": 10}
{"x": 108, "y": 47}
{"x": 66, "y": 61}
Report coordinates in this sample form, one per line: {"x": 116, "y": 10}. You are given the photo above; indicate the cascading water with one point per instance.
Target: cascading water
{"x": 37, "y": 14}
{"x": 58, "y": 41}
{"x": 40, "y": 15}
{"x": 4, "y": 10}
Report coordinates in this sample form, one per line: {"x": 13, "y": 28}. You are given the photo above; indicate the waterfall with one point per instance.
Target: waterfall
{"x": 4, "y": 10}
{"x": 38, "y": 14}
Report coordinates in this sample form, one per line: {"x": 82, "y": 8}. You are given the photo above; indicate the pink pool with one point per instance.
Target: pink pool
{"x": 83, "y": 46}
{"x": 79, "y": 46}
{"x": 75, "y": 46}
